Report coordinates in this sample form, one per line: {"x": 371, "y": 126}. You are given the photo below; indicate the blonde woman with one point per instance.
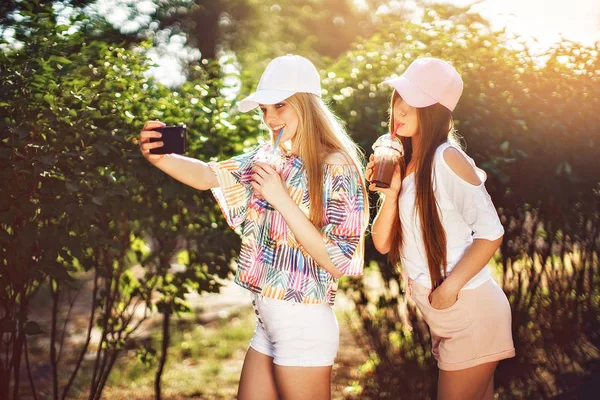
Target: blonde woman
{"x": 302, "y": 220}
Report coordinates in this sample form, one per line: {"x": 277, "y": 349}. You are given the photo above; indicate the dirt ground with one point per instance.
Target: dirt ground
{"x": 209, "y": 308}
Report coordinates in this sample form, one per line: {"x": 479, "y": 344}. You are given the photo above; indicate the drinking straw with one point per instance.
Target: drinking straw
{"x": 395, "y": 130}
{"x": 277, "y": 141}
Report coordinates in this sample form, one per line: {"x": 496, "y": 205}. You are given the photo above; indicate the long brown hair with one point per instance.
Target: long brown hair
{"x": 320, "y": 133}
{"x": 435, "y": 128}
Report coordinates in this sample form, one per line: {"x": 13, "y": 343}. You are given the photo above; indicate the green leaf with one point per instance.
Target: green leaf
{"x": 72, "y": 187}
{"x": 58, "y": 273}
{"x": 48, "y": 159}
{"x": 48, "y": 98}
{"x": 102, "y": 148}
{"x": 22, "y": 131}
{"x": 28, "y": 235}
{"x": 60, "y": 59}
{"x": 62, "y": 28}
{"x": 32, "y": 328}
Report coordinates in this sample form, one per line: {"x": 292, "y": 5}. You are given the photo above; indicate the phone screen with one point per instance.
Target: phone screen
{"x": 174, "y": 139}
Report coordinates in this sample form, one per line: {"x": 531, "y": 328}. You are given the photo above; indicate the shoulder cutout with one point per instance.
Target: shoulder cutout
{"x": 457, "y": 162}
{"x": 337, "y": 158}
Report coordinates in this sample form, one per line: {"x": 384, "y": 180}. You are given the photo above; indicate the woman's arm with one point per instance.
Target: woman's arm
{"x": 475, "y": 258}
{"x": 381, "y": 232}
{"x": 270, "y": 186}
{"x": 306, "y": 233}
{"x": 190, "y": 171}
{"x": 480, "y": 252}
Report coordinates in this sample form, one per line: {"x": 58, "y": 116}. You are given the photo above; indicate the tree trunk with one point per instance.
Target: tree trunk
{"x": 164, "y": 349}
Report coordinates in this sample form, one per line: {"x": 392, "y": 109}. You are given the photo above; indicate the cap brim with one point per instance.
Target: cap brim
{"x": 410, "y": 92}
{"x": 263, "y": 97}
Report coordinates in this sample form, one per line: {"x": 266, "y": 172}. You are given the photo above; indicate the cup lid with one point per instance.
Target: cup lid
{"x": 387, "y": 141}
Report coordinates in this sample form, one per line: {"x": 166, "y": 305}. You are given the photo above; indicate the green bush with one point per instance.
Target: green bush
{"x": 80, "y": 201}
{"x": 533, "y": 127}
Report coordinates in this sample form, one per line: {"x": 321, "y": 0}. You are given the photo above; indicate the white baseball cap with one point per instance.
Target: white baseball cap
{"x": 284, "y": 76}
{"x": 428, "y": 81}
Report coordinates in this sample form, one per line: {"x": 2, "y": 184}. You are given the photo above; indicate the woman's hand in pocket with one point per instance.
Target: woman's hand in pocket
{"x": 443, "y": 297}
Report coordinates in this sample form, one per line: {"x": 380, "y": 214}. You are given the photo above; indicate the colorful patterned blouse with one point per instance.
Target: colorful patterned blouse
{"x": 272, "y": 263}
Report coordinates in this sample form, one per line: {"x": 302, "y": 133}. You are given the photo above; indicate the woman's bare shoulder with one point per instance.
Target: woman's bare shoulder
{"x": 337, "y": 158}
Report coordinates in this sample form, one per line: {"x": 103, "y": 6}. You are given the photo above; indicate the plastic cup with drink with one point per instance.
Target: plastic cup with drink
{"x": 388, "y": 152}
{"x": 273, "y": 156}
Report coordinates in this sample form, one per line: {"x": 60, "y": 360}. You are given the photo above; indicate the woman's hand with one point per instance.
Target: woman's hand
{"x": 395, "y": 185}
{"x": 267, "y": 182}
{"x": 443, "y": 297}
{"x": 146, "y": 146}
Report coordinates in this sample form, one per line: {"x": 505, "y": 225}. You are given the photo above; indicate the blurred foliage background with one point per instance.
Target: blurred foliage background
{"x": 83, "y": 215}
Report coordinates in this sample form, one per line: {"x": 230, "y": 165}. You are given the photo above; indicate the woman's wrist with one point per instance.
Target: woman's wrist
{"x": 283, "y": 203}
{"x": 390, "y": 200}
{"x": 451, "y": 285}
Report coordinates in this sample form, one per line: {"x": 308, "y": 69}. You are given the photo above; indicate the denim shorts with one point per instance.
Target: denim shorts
{"x": 295, "y": 334}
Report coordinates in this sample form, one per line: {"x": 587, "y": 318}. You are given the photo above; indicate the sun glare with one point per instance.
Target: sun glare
{"x": 544, "y": 21}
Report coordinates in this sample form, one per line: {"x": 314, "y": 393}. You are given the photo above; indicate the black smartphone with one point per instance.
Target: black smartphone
{"x": 174, "y": 140}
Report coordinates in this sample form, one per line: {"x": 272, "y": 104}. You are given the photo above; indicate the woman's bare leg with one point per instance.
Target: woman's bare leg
{"x": 471, "y": 383}
{"x": 489, "y": 394}
{"x": 258, "y": 380}
{"x": 300, "y": 383}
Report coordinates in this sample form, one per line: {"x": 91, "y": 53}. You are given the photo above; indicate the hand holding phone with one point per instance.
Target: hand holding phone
{"x": 152, "y": 140}
{"x": 173, "y": 139}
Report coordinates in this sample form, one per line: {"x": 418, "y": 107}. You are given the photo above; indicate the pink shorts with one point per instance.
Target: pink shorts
{"x": 475, "y": 330}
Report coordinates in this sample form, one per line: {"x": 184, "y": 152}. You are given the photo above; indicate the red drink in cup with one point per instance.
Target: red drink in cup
{"x": 388, "y": 152}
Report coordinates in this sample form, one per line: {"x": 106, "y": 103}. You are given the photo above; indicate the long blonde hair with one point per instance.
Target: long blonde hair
{"x": 320, "y": 133}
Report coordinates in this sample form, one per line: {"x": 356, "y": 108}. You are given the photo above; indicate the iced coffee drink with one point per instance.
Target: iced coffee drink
{"x": 388, "y": 152}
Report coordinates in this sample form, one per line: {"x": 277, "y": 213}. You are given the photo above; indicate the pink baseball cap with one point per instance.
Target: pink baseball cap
{"x": 284, "y": 77}
{"x": 428, "y": 81}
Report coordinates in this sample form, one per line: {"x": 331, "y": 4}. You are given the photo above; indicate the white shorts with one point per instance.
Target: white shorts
{"x": 295, "y": 334}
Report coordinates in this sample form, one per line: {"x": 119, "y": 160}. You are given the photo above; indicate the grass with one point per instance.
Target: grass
{"x": 204, "y": 361}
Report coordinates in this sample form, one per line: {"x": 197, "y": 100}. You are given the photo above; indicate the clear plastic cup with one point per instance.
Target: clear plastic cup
{"x": 388, "y": 153}
{"x": 270, "y": 157}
